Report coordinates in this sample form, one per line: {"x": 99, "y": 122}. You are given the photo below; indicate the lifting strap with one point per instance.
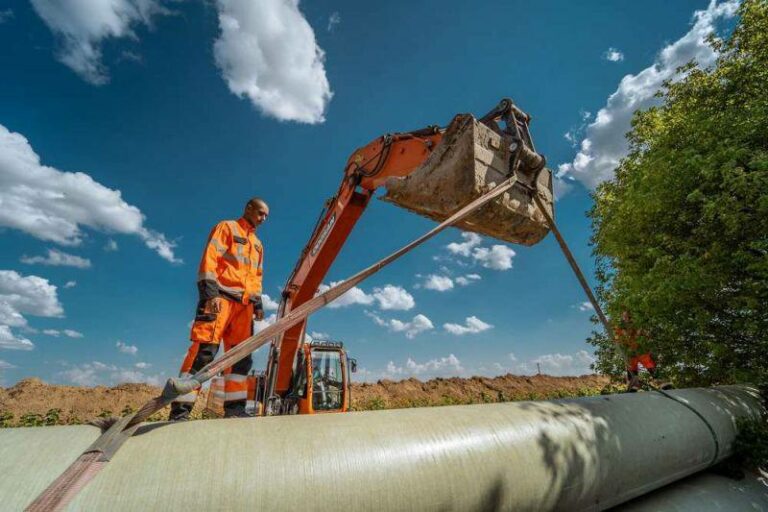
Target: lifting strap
{"x": 580, "y": 276}
{"x": 609, "y": 329}
{"x": 62, "y": 490}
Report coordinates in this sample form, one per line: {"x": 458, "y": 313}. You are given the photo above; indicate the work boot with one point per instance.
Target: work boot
{"x": 180, "y": 412}
{"x": 235, "y": 409}
{"x": 661, "y": 384}
{"x": 633, "y": 385}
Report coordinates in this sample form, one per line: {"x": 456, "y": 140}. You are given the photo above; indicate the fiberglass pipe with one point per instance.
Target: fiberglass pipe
{"x": 575, "y": 454}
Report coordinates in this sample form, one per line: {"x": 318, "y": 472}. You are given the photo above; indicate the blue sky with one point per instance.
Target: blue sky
{"x": 174, "y": 113}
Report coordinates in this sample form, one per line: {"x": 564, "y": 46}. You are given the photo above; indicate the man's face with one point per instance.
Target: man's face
{"x": 256, "y": 213}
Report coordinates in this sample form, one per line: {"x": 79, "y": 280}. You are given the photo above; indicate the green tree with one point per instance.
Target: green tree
{"x": 681, "y": 234}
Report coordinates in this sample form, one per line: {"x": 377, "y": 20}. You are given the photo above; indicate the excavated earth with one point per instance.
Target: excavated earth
{"x": 32, "y": 402}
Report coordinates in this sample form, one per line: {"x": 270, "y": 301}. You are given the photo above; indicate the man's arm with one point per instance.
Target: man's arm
{"x": 258, "y": 305}
{"x": 218, "y": 241}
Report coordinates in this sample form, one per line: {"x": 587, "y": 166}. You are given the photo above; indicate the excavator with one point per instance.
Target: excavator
{"x": 449, "y": 164}
{"x": 433, "y": 172}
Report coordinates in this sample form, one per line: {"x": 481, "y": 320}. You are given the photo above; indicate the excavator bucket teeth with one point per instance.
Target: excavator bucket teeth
{"x": 469, "y": 161}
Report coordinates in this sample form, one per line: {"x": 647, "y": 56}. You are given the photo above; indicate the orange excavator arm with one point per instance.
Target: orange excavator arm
{"x": 368, "y": 168}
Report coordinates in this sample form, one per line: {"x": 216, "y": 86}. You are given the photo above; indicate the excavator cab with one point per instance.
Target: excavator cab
{"x": 321, "y": 381}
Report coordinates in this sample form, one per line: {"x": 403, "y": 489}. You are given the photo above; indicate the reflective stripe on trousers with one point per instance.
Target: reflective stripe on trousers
{"x": 235, "y": 387}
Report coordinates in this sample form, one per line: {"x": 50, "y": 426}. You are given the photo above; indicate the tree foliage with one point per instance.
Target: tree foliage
{"x": 681, "y": 234}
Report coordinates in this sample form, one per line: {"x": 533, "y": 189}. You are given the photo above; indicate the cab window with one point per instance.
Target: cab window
{"x": 327, "y": 383}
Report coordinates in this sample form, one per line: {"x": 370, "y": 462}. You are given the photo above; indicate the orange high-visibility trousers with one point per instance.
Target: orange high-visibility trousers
{"x": 231, "y": 325}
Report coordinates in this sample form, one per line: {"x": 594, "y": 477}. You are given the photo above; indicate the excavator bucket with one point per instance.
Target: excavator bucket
{"x": 469, "y": 161}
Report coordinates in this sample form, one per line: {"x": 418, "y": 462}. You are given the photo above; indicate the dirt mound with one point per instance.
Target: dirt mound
{"x": 32, "y": 402}
{"x": 387, "y": 394}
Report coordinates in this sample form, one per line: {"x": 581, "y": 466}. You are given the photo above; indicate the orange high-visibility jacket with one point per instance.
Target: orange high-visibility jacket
{"x": 232, "y": 263}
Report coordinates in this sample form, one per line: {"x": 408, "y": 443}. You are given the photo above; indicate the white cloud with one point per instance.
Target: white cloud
{"x": 333, "y": 20}
{"x": 498, "y": 257}
{"x": 565, "y": 364}
{"x": 467, "y": 279}
{"x": 53, "y": 205}
{"x": 613, "y": 55}
{"x": 127, "y": 349}
{"x": 56, "y": 258}
{"x": 604, "y": 145}
{"x": 83, "y": 25}
{"x": 354, "y": 296}
{"x": 267, "y": 52}
{"x": 472, "y": 325}
{"x": 388, "y": 297}
{"x": 10, "y": 316}
{"x": 418, "y": 324}
{"x": 83, "y": 375}
{"x": 70, "y": 284}
{"x": 30, "y": 295}
{"x": 127, "y": 375}
{"x": 260, "y": 325}
{"x": 438, "y": 367}
{"x": 320, "y": 335}
{"x": 142, "y": 365}
{"x": 24, "y": 295}
{"x": 69, "y": 333}
{"x": 97, "y": 373}
{"x": 268, "y": 303}
{"x": 586, "y": 306}
{"x": 438, "y": 283}
{"x": 110, "y": 246}
{"x": 4, "y": 365}
{"x": 9, "y": 341}
{"x": 464, "y": 248}
{"x": 556, "y": 364}
{"x": 573, "y": 136}
{"x": 393, "y": 297}
{"x": 101, "y": 366}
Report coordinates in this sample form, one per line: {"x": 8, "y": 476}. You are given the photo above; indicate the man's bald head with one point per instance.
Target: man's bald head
{"x": 256, "y": 211}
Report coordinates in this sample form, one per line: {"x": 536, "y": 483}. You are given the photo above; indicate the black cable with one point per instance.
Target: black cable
{"x": 697, "y": 413}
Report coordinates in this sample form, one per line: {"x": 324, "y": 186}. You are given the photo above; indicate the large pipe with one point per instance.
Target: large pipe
{"x": 578, "y": 454}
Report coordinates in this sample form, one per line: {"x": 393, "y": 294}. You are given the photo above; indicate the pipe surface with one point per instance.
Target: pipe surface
{"x": 575, "y": 454}
{"x": 706, "y": 491}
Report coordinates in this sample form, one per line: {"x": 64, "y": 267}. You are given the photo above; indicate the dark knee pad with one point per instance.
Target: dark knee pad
{"x": 180, "y": 411}
{"x": 235, "y": 409}
{"x": 243, "y": 366}
{"x": 205, "y": 354}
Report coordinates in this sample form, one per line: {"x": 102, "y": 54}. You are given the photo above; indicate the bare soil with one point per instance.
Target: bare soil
{"x": 386, "y": 394}
{"x": 33, "y": 402}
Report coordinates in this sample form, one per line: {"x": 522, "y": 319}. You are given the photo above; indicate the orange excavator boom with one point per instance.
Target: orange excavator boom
{"x": 395, "y": 155}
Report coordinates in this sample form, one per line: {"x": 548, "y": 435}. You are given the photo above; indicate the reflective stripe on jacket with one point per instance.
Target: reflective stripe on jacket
{"x": 232, "y": 264}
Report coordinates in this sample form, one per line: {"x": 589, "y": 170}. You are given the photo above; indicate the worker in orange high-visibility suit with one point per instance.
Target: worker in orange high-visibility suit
{"x": 630, "y": 338}
{"x": 229, "y": 285}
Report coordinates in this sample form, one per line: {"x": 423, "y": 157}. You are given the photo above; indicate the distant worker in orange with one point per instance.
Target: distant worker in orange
{"x": 631, "y": 338}
{"x": 229, "y": 286}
